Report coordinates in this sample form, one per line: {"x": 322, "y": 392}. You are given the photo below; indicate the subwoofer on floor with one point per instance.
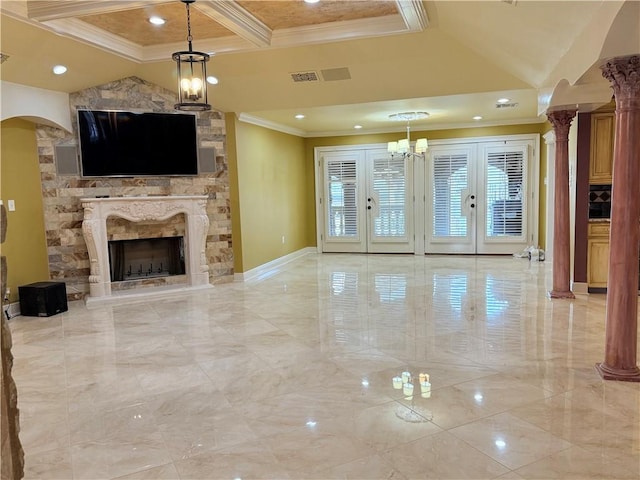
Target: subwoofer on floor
{"x": 43, "y": 299}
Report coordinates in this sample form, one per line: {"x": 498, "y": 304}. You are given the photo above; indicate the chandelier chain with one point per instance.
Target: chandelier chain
{"x": 189, "y": 37}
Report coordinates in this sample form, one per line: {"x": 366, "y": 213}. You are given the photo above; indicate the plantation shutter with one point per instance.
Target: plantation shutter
{"x": 450, "y": 186}
{"x": 342, "y": 198}
{"x": 505, "y": 193}
{"x": 389, "y": 185}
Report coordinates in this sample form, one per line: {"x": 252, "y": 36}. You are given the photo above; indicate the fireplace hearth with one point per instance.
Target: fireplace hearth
{"x": 189, "y": 256}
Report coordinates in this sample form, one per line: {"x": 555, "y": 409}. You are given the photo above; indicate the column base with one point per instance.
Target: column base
{"x": 609, "y": 373}
{"x": 561, "y": 294}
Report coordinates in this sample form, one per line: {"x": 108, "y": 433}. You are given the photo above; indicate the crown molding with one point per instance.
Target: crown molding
{"x": 212, "y": 46}
{"x": 251, "y": 33}
{"x": 43, "y": 11}
{"x": 335, "y": 31}
{"x": 416, "y": 129}
{"x": 96, "y": 37}
{"x": 235, "y": 18}
{"x": 413, "y": 14}
{"x": 261, "y": 122}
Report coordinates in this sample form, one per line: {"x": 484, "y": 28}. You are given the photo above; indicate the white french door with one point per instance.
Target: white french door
{"x": 367, "y": 202}
{"x": 477, "y": 198}
{"x": 452, "y": 200}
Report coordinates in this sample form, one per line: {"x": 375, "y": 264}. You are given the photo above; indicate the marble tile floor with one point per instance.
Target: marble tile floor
{"x": 290, "y": 377}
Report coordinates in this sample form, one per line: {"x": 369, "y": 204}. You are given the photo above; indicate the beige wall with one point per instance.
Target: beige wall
{"x": 273, "y": 182}
{"x": 272, "y": 191}
{"x": 539, "y": 128}
{"x": 26, "y": 246}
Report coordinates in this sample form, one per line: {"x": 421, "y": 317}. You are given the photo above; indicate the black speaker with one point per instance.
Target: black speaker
{"x": 42, "y": 299}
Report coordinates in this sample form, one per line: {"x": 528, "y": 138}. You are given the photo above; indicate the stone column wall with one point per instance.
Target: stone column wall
{"x": 12, "y": 456}
{"x": 68, "y": 257}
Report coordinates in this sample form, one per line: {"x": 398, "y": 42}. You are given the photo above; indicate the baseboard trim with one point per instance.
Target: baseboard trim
{"x": 271, "y": 268}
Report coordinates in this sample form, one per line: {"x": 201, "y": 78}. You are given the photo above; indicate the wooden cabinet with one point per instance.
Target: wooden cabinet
{"x": 598, "y": 255}
{"x": 601, "y": 150}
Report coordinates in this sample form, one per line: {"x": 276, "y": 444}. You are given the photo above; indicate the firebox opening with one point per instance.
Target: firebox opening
{"x": 146, "y": 258}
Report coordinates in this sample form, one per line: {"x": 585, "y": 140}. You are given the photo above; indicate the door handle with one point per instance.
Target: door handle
{"x": 473, "y": 197}
{"x": 368, "y": 207}
{"x": 473, "y": 205}
{"x": 368, "y": 199}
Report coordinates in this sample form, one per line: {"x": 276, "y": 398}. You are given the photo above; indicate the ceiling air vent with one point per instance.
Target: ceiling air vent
{"x": 304, "y": 77}
{"x": 506, "y": 105}
{"x": 332, "y": 74}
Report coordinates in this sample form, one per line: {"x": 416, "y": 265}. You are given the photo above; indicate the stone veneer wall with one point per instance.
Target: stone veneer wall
{"x": 68, "y": 257}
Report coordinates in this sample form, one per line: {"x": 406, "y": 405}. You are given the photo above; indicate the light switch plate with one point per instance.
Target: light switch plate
{"x": 11, "y": 205}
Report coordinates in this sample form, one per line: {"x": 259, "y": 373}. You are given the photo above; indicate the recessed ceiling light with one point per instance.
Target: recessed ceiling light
{"x": 156, "y": 20}
{"x": 311, "y": 1}
{"x": 504, "y": 100}
{"x": 357, "y": 127}
{"x": 477, "y": 117}
{"x": 299, "y": 116}
{"x": 59, "y": 69}
{"x": 212, "y": 80}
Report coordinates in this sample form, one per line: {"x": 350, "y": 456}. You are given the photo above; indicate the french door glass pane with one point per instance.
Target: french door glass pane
{"x": 450, "y": 183}
{"x": 504, "y": 194}
{"x": 389, "y": 185}
{"x": 342, "y": 198}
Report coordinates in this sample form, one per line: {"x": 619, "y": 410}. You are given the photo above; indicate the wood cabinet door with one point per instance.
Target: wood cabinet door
{"x": 598, "y": 255}
{"x": 601, "y": 158}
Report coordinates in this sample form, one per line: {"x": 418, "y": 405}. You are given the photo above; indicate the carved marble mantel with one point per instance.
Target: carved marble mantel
{"x": 138, "y": 209}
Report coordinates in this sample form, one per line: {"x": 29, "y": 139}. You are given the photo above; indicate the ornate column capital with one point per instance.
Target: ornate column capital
{"x": 624, "y": 75}
{"x": 561, "y": 121}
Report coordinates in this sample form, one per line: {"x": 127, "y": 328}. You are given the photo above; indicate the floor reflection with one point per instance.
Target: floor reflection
{"x": 295, "y": 375}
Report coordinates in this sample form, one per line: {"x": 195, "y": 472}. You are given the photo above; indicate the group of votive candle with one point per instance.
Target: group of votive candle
{"x": 405, "y": 382}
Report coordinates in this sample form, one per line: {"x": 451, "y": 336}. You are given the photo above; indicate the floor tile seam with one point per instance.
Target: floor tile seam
{"x": 376, "y": 454}
{"x": 547, "y": 457}
{"x": 481, "y": 452}
{"x": 145, "y": 469}
{"x": 491, "y": 459}
{"x": 110, "y": 440}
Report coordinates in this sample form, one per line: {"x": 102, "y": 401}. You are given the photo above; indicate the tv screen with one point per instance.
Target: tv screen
{"x": 129, "y": 144}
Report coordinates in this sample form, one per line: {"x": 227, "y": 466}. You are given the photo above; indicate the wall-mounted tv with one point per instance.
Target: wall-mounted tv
{"x": 131, "y": 144}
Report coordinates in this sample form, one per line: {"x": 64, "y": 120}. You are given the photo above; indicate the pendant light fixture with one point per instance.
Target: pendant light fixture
{"x": 403, "y": 146}
{"x": 192, "y": 74}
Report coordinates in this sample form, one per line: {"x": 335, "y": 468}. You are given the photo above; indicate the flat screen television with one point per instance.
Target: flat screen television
{"x": 131, "y": 144}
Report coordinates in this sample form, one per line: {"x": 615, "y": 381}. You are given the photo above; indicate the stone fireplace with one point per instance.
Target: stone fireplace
{"x": 144, "y": 209}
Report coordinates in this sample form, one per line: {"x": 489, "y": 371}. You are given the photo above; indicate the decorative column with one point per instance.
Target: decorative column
{"x": 624, "y": 238}
{"x": 561, "y": 121}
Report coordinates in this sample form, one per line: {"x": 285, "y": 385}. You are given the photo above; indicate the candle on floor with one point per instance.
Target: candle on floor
{"x": 397, "y": 383}
{"x": 425, "y": 387}
{"x": 405, "y": 377}
{"x": 407, "y": 389}
{"x": 423, "y": 377}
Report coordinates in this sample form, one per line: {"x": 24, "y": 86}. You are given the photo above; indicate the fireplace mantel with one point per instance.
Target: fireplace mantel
{"x": 139, "y": 209}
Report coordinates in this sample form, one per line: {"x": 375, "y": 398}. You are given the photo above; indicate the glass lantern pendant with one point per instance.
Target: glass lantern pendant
{"x": 192, "y": 74}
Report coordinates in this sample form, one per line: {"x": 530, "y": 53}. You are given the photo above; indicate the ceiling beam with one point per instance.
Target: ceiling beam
{"x": 55, "y": 9}
{"x": 235, "y": 18}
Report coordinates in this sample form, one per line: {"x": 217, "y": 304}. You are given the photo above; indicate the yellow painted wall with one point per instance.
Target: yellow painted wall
{"x": 275, "y": 196}
{"x": 539, "y": 128}
{"x": 25, "y": 246}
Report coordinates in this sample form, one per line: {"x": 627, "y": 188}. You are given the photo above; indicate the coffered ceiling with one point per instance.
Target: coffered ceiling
{"x": 360, "y": 60}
